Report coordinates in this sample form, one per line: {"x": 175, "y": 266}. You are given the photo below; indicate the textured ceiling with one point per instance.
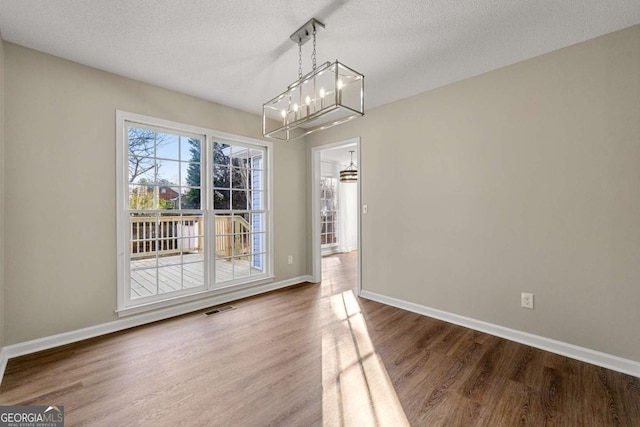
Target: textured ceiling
{"x": 238, "y": 52}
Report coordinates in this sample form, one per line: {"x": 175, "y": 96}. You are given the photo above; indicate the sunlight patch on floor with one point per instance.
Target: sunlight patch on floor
{"x": 356, "y": 388}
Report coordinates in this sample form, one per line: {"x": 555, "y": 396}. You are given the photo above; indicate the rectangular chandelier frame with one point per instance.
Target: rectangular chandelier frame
{"x": 327, "y": 96}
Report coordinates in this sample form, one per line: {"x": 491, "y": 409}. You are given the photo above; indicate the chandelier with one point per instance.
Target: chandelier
{"x": 330, "y": 94}
{"x": 350, "y": 173}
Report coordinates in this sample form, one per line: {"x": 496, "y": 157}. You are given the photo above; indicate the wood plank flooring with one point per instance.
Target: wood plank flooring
{"x": 317, "y": 355}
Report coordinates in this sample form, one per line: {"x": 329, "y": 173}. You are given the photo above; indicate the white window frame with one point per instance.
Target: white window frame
{"x": 231, "y": 283}
{"x": 127, "y": 306}
{"x": 329, "y": 248}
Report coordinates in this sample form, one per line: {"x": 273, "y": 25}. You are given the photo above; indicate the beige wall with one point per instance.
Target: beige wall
{"x": 522, "y": 179}
{"x": 60, "y": 188}
{"x": 2, "y": 292}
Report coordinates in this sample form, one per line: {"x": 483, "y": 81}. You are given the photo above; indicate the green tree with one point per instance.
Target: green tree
{"x": 191, "y": 199}
{"x": 221, "y": 177}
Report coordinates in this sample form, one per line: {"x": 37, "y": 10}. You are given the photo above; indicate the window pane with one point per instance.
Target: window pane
{"x": 168, "y": 232}
{"x": 193, "y": 275}
{"x": 239, "y": 200}
{"x": 258, "y": 222}
{"x": 224, "y": 270}
{"x": 190, "y": 174}
{"x": 221, "y": 199}
{"x": 239, "y": 178}
{"x": 142, "y": 171}
{"x": 241, "y": 162}
{"x": 258, "y": 242}
{"x": 142, "y": 228}
{"x": 257, "y": 264}
{"x": 223, "y": 239}
{"x": 168, "y": 197}
{"x": 224, "y": 246}
{"x": 256, "y": 200}
{"x": 221, "y": 177}
{"x": 167, "y": 146}
{"x": 241, "y": 268}
{"x": 192, "y": 228}
{"x": 239, "y": 155}
{"x": 190, "y": 149}
{"x": 190, "y": 198}
{"x": 223, "y": 224}
{"x": 255, "y": 179}
{"x": 169, "y": 279}
{"x": 144, "y": 283}
{"x": 241, "y": 245}
{"x": 141, "y": 197}
{"x": 255, "y": 159}
{"x": 167, "y": 172}
{"x": 328, "y": 209}
{"x": 141, "y": 153}
{"x": 221, "y": 154}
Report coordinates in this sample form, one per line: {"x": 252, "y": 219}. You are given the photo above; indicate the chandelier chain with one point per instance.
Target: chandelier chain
{"x": 313, "y": 55}
{"x": 299, "y": 59}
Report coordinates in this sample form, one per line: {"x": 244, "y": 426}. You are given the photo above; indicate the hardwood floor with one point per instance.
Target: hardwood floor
{"x": 317, "y": 355}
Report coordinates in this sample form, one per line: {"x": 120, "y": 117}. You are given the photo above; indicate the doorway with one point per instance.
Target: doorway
{"x": 336, "y": 210}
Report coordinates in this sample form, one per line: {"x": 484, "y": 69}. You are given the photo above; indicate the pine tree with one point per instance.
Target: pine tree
{"x": 191, "y": 199}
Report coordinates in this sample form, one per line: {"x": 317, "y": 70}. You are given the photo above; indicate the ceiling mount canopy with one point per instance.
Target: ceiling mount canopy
{"x": 328, "y": 95}
{"x": 350, "y": 173}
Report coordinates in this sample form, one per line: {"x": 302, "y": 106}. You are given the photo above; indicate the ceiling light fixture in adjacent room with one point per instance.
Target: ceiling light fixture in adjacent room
{"x": 328, "y": 95}
{"x": 350, "y": 173}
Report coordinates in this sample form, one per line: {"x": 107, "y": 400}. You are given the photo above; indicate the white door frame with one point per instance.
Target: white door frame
{"x": 316, "y": 253}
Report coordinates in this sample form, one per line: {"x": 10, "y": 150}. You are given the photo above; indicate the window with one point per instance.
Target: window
{"x": 187, "y": 228}
{"x": 238, "y": 203}
{"x": 329, "y": 212}
{"x": 166, "y": 228}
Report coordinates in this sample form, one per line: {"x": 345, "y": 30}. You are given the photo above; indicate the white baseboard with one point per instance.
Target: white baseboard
{"x": 583, "y": 354}
{"x": 46, "y": 343}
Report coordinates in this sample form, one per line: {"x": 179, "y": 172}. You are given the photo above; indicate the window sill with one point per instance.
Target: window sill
{"x": 171, "y": 302}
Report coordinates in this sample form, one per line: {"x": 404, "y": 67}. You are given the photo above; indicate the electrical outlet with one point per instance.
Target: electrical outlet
{"x": 526, "y": 300}
{"x": 290, "y": 259}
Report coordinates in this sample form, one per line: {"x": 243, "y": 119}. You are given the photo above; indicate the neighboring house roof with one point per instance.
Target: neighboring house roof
{"x": 167, "y": 193}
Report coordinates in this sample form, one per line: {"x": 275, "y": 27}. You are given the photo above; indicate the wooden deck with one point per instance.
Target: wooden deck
{"x": 171, "y": 276}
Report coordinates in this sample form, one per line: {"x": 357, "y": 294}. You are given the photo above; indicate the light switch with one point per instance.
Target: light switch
{"x": 364, "y": 209}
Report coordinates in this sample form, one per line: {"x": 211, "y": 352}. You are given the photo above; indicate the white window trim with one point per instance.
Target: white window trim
{"x": 124, "y": 305}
